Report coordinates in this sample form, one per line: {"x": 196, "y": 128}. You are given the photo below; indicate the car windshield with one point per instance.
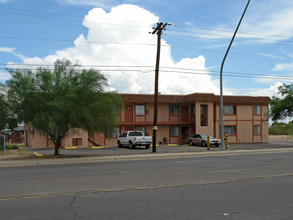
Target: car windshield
{"x": 206, "y": 136}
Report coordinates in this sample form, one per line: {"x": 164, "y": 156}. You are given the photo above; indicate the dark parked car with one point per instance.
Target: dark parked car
{"x": 201, "y": 140}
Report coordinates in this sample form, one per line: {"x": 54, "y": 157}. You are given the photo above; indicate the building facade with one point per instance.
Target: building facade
{"x": 180, "y": 116}
{"x": 75, "y": 138}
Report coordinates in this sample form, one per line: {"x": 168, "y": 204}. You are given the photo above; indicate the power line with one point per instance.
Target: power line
{"x": 132, "y": 23}
{"x": 139, "y": 67}
{"x": 230, "y": 31}
{"x": 226, "y": 40}
{"x": 182, "y": 71}
{"x": 83, "y": 41}
{"x": 41, "y": 15}
{"x": 228, "y": 36}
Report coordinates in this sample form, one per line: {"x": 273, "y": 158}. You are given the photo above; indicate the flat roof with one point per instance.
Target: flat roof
{"x": 191, "y": 98}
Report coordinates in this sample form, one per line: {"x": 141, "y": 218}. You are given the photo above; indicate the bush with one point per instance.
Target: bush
{"x": 281, "y": 129}
{"x": 10, "y": 147}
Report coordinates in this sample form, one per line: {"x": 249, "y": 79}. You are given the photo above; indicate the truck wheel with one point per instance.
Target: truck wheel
{"x": 119, "y": 144}
{"x": 131, "y": 146}
{"x": 147, "y": 146}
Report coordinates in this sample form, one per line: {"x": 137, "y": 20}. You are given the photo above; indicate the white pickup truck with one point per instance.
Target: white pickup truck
{"x": 134, "y": 138}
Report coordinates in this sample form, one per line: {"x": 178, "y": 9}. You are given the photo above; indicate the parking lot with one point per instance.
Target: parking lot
{"x": 114, "y": 150}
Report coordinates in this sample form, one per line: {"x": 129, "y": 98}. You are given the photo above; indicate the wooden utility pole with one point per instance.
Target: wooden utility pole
{"x": 160, "y": 27}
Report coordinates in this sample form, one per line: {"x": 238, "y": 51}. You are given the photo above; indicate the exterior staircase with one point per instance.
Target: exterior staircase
{"x": 186, "y": 134}
{"x": 92, "y": 141}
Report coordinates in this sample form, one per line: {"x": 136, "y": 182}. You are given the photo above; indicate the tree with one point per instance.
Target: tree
{"x": 3, "y": 112}
{"x": 282, "y": 108}
{"x": 56, "y": 101}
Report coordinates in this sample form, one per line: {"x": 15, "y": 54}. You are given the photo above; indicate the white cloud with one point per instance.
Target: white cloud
{"x": 265, "y": 21}
{"x": 7, "y": 50}
{"x": 271, "y": 91}
{"x": 101, "y": 3}
{"x": 12, "y": 51}
{"x": 270, "y": 17}
{"x": 130, "y": 44}
{"x": 4, "y": 76}
{"x": 4, "y": 1}
{"x": 283, "y": 67}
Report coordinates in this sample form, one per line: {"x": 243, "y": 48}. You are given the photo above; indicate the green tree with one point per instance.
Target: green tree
{"x": 282, "y": 108}
{"x": 3, "y": 112}
{"x": 56, "y": 101}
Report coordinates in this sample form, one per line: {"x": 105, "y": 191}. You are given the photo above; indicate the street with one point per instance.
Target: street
{"x": 233, "y": 187}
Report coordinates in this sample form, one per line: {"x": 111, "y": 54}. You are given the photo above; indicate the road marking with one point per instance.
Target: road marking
{"x": 189, "y": 161}
{"x": 231, "y": 171}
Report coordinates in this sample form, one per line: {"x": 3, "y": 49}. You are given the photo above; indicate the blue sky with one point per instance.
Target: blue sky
{"x": 113, "y": 36}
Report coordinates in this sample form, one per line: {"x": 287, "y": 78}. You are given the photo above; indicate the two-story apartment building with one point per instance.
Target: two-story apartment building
{"x": 245, "y": 117}
{"x": 179, "y": 116}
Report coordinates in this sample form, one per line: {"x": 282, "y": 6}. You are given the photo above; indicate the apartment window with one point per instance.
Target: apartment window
{"x": 256, "y": 129}
{"x": 204, "y": 115}
{"x": 142, "y": 129}
{"x": 230, "y": 130}
{"x": 256, "y": 110}
{"x": 113, "y": 133}
{"x": 174, "y": 110}
{"x": 140, "y": 110}
{"x": 174, "y": 131}
{"x": 229, "y": 109}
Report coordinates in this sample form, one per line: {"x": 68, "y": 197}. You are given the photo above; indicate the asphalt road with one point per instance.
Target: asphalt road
{"x": 219, "y": 187}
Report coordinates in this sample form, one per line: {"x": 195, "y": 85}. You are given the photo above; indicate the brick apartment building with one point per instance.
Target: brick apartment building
{"x": 179, "y": 116}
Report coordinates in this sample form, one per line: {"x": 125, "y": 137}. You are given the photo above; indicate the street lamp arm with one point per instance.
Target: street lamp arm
{"x": 221, "y": 76}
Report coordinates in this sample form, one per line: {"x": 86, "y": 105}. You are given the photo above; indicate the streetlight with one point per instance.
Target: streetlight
{"x": 221, "y": 78}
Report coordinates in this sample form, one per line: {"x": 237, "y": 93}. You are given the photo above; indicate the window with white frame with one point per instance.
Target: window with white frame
{"x": 229, "y": 109}
{"x": 256, "y": 129}
{"x": 230, "y": 130}
{"x": 256, "y": 110}
{"x": 113, "y": 133}
{"x": 140, "y": 110}
{"x": 174, "y": 109}
{"x": 174, "y": 131}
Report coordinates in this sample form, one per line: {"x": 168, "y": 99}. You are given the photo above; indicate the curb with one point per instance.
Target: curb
{"x": 151, "y": 156}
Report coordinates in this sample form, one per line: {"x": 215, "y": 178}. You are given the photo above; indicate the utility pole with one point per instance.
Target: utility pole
{"x": 221, "y": 79}
{"x": 158, "y": 30}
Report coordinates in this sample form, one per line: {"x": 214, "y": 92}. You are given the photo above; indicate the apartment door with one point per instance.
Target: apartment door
{"x": 129, "y": 113}
{"x": 184, "y": 113}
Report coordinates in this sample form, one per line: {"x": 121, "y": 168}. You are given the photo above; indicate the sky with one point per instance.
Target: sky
{"x": 115, "y": 37}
